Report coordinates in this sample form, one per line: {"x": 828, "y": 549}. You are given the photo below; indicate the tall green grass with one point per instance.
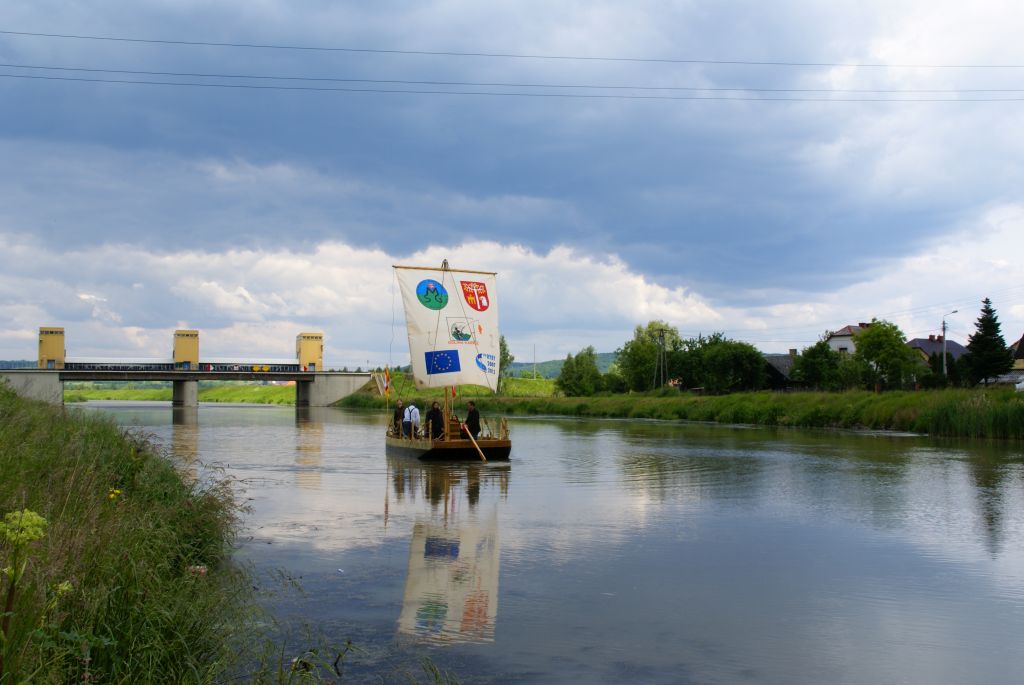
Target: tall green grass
{"x": 231, "y": 393}
{"x": 151, "y": 598}
{"x": 993, "y": 413}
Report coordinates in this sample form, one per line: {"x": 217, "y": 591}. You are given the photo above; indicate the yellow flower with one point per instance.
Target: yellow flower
{"x": 22, "y": 527}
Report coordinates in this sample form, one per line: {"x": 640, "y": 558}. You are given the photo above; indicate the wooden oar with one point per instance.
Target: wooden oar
{"x": 470, "y": 436}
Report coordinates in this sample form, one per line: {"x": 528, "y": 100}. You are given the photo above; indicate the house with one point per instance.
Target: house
{"x": 780, "y": 369}
{"x": 1016, "y": 374}
{"x": 926, "y": 347}
{"x": 841, "y": 341}
{"x": 1018, "y": 353}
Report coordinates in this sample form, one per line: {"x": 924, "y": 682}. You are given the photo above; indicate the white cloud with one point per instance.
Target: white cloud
{"x": 255, "y": 301}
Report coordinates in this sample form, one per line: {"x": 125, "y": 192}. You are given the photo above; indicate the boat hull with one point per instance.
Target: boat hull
{"x": 425, "y": 449}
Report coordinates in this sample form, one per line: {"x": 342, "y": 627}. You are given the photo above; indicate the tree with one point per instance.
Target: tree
{"x": 567, "y": 380}
{"x": 589, "y": 376}
{"x": 731, "y": 365}
{"x": 987, "y": 354}
{"x": 882, "y": 346}
{"x": 505, "y": 359}
{"x": 686, "y": 362}
{"x": 818, "y": 366}
{"x": 638, "y": 358}
{"x": 580, "y": 376}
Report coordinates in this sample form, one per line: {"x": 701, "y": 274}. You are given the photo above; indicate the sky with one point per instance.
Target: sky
{"x": 768, "y": 170}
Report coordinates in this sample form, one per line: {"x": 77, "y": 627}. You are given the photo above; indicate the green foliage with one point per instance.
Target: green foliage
{"x": 817, "y": 366}
{"x": 729, "y": 366}
{"x": 955, "y": 413}
{"x": 580, "y": 376}
{"x": 112, "y": 592}
{"x": 987, "y": 355}
{"x": 553, "y": 367}
{"x": 505, "y": 359}
{"x": 638, "y": 358}
{"x": 882, "y": 346}
{"x": 686, "y": 361}
{"x": 223, "y": 391}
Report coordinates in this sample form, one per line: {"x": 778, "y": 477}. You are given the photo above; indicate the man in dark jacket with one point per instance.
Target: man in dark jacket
{"x": 473, "y": 419}
{"x": 435, "y": 418}
{"x": 397, "y": 418}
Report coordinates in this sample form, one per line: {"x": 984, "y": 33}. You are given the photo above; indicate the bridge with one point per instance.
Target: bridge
{"x": 314, "y": 387}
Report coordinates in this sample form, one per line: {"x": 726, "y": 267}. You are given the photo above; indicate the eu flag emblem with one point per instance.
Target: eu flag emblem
{"x": 443, "y": 361}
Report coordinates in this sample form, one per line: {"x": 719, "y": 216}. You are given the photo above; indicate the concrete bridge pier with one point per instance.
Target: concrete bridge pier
{"x": 38, "y": 385}
{"x": 326, "y": 389}
{"x": 185, "y": 394}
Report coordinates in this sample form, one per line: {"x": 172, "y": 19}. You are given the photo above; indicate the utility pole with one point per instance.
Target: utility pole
{"x": 660, "y": 369}
{"x": 944, "y": 373}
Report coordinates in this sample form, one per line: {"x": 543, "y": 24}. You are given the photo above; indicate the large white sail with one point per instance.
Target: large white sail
{"x": 452, "y": 319}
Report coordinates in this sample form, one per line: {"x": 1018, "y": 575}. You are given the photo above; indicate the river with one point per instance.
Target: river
{"x": 626, "y": 551}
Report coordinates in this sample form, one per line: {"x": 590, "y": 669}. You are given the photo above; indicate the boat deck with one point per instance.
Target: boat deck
{"x": 459, "y": 449}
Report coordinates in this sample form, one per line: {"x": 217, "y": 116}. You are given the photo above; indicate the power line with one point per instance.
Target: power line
{"x": 409, "y": 91}
{"x": 508, "y": 55}
{"x": 506, "y": 84}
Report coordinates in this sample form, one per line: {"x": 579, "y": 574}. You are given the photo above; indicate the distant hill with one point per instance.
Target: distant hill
{"x": 551, "y": 369}
{"x": 17, "y": 364}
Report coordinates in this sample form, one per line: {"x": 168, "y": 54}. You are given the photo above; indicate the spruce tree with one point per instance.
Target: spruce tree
{"x": 987, "y": 354}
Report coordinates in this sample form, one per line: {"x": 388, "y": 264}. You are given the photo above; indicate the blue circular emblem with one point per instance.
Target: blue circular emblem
{"x": 431, "y": 294}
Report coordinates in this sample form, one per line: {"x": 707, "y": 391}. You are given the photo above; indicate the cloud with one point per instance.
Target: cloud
{"x": 237, "y": 298}
{"x": 746, "y": 216}
{"x": 116, "y": 299}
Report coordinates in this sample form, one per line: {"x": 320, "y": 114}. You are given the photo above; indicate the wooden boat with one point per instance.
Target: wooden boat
{"x": 453, "y": 445}
{"x": 452, "y": 320}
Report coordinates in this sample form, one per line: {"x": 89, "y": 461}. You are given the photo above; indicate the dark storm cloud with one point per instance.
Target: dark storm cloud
{"x": 727, "y": 196}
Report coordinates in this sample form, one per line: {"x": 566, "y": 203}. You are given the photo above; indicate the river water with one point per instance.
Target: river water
{"x": 627, "y": 551}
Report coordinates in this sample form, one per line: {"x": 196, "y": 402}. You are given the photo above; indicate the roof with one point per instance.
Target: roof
{"x": 1018, "y": 348}
{"x": 933, "y": 345}
{"x": 851, "y": 330}
{"x": 1015, "y": 376}
{"x": 783, "y": 363}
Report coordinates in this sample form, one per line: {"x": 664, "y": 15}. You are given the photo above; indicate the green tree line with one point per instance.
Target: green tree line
{"x": 658, "y": 357}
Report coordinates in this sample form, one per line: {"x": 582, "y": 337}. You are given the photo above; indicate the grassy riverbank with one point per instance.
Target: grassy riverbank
{"x": 231, "y": 393}
{"x": 993, "y": 413}
{"x": 976, "y": 413}
{"x": 128, "y": 583}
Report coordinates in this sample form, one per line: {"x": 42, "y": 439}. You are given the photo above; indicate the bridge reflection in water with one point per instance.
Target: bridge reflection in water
{"x": 451, "y": 587}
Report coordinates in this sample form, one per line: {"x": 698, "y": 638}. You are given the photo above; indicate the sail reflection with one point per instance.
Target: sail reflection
{"x": 451, "y": 589}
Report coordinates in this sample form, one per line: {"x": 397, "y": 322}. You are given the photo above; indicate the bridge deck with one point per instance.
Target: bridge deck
{"x": 91, "y": 375}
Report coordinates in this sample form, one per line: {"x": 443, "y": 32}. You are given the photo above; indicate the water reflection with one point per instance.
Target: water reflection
{"x": 451, "y": 587}
{"x": 185, "y": 440}
{"x": 636, "y": 551}
{"x": 309, "y": 444}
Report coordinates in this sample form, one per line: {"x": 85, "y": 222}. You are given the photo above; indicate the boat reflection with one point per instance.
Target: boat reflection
{"x": 451, "y": 589}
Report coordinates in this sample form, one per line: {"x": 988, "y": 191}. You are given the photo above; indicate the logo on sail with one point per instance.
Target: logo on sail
{"x": 462, "y": 331}
{"x": 431, "y": 294}
{"x": 442, "y": 361}
{"x": 476, "y": 295}
{"x": 488, "y": 363}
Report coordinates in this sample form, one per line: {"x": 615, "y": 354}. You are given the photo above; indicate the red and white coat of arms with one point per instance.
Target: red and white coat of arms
{"x": 476, "y": 295}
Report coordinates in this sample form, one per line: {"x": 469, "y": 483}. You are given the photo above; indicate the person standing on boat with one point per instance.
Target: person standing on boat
{"x": 435, "y": 419}
{"x": 396, "y": 419}
{"x": 473, "y": 419}
{"x": 411, "y": 421}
